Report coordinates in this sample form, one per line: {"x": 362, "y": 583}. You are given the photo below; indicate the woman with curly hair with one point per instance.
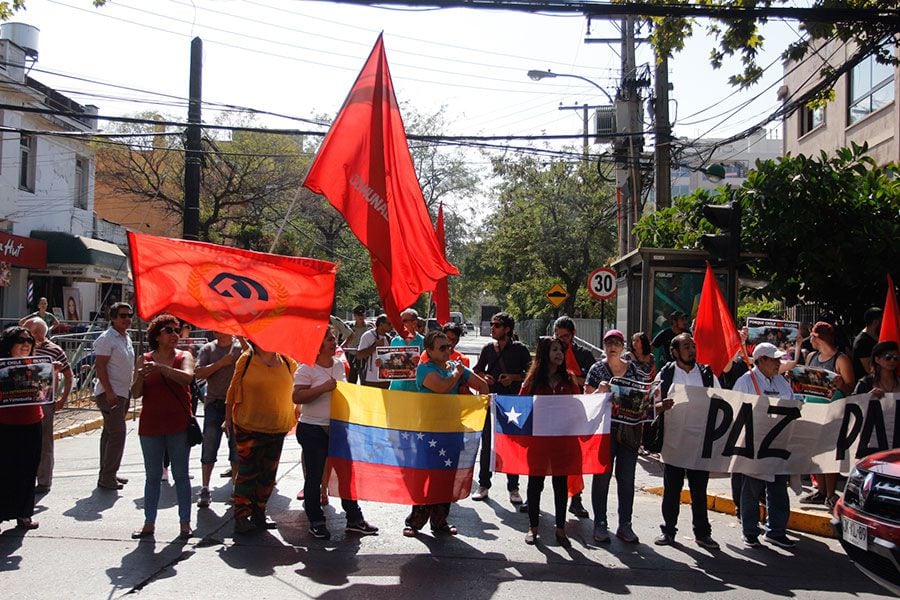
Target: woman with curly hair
{"x": 20, "y": 441}
{"x": 162, "y": 377}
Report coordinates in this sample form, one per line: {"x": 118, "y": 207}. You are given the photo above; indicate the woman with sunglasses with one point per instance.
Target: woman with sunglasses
{"x": 439, "y": 375}
{"x": 548, "y": 376}
{"x": 162, "y": 378}
{"x": 883, "y": 378}
{"x": 20, "y": 441}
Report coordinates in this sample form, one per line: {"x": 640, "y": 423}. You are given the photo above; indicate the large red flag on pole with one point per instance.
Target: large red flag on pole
{"x": 365, "y": 170}
{"x": 716, "y": 336}
{"x": 890, "y": 319}
{"x": 441, "y": 289}
{"x": 282, "y": 303}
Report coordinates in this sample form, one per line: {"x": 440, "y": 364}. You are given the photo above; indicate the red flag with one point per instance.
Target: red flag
{"x": 716, "y": 336}
{"x": 441, "y": 290}
{"x": 890, "y": 319}
{"x": 572, "y": 365}
{"x": 282, "y": 303}
{"x": 365, "y": 170}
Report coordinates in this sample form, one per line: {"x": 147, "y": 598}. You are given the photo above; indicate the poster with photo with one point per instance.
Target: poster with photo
{"x": 782, "y": 334}
{"x": 632, "y": 401}
{"x": 813, "y": 385}
{"x": 190, "y": 343}
{"x": 72, "y": 309}
{"x": 25, "y": 381}
{"x": 396, "y": 363}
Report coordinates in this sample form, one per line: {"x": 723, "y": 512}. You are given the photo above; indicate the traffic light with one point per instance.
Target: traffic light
{"x": 724, "y": 246}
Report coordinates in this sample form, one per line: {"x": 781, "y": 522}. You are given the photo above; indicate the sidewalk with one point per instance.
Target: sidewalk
{"x": 815, "y": 520}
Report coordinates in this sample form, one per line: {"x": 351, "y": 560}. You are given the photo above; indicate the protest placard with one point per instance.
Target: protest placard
{"x": 812, "y": 385}
{"x": 396, "y": 363}
{"x": 782, "y": 334}
{"x": 191, "y": 342}
{"x": 727, "y": 431}
{"x": 27, "y": 380}
{"x": 632, "y": 401}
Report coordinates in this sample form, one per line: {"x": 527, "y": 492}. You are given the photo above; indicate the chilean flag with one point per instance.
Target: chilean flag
{"x": 551, "y": 435}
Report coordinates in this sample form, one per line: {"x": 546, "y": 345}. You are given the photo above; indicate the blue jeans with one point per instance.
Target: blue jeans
{"x": 314, "y": 441}
{"x": 154, "y": 447}
{"x": 778, "y": 505}
{"x": 213, "y": 417}
{"x": 624, "y": 461}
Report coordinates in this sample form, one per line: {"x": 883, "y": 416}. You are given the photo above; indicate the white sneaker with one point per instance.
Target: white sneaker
{"x": 480, "y": 494}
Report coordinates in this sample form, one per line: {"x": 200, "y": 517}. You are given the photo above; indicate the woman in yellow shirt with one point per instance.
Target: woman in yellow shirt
{"x": 259, "y": 414}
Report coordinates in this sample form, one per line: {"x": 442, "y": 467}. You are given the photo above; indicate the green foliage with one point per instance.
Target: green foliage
{"x": 751, "y": 307}
{"x": 554, "y": 223}
{"x": 828, "y": 226}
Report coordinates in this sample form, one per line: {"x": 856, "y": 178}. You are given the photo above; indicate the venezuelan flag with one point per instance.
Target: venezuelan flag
{"x": 403, "y": 447}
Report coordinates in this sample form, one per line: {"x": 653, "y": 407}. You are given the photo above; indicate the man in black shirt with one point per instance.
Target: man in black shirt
{"x": 503, "y": 364}
{"x": 663, "y": 339}
{"x": 865, "y": 341}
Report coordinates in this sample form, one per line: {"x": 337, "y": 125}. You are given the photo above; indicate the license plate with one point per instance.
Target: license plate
{"x": 855, "y": 533}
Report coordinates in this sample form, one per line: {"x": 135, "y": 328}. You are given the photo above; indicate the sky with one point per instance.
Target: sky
{"x": 300, "y": 58}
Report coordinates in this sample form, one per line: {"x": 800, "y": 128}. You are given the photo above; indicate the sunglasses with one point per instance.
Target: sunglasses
{"x": 24, "y": 341}
{"x": 169, "y": 330}
{"x": 890, "y": 356}
{"x": 125, "y": 315}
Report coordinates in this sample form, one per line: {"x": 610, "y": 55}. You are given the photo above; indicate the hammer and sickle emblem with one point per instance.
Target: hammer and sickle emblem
{"x": 238, "y": 286}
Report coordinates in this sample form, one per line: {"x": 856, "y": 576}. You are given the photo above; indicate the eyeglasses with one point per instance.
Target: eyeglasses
{"x": 168, "y": 330}
{"x": 125, "y": 315}
{"x": 890, "y": 356}
{"x": 443, "y": 347}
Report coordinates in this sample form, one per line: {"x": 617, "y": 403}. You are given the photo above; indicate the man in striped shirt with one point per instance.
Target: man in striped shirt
{"x": 44, "y": 347}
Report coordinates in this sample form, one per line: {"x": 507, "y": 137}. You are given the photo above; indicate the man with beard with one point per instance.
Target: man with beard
{"x": 684, "y": 370}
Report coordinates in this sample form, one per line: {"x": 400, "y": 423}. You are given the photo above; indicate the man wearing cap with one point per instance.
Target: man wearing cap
{"x": 352, "y": 343}
{"x": 684, "y": 370}
{"x": 764, "y": 379}
{"x": 663, "y": 339}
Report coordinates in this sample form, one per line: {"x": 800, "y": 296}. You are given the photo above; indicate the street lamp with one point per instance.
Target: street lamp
{"x": 715, "y": 172}
{"x": 536, "y": 75}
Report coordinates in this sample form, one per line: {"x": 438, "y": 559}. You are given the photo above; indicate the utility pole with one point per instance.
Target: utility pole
{"x": 192, "y": 148}
{"x": 630, "y": 143}
{"x": 663, "y": 134}
{"x": 586, "y": 117}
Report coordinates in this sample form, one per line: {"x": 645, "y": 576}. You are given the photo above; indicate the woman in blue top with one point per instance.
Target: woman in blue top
{"x": 439, "y": 375}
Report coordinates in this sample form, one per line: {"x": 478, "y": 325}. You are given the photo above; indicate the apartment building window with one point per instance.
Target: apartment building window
{"x": 81, "y": 182}
{"x": 27, "y": 152}
{"x": 871, "y": 87}
{"x": 810, "y": 118}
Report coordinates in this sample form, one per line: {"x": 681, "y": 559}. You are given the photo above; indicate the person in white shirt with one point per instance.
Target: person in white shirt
{"x": 112, "y": 392}
{"x": 312, "y": 389}
{"x": 365, "y": 352}
{"x": 764, "y": 379}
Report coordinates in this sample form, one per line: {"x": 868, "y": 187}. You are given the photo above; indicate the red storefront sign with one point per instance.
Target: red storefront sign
{"x": 21, "y": 251}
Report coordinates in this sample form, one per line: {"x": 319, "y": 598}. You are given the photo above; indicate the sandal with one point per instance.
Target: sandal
{"x": 143, "y": 532}
{"x": 409, "y": 532}
{"x": 446, "y": 528}
{"x": 27, "y": 523}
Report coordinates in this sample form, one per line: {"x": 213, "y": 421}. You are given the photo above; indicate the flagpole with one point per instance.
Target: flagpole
{"x": 286, "y": 216}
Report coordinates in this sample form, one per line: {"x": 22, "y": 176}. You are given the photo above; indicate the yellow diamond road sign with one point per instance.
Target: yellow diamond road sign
{"x": 557, "y": 295}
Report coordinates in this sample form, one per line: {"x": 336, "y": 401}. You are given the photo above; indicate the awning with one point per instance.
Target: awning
{"x": 22, "y": 251}
{"x": 82, "y": 258}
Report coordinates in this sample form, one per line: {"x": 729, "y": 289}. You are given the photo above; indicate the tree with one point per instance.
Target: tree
{"x": 554, "y": 223}
{"x": 741, "y": 36}
{"x": 828, "y": 226}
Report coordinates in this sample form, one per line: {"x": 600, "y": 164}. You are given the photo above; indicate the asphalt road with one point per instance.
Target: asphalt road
{"x": 83, "y": 549}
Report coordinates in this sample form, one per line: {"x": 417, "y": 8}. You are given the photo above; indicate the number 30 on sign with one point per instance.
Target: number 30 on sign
{"x": 602, "y": 283}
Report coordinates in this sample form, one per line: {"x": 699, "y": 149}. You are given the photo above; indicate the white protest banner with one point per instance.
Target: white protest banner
{"x": 725, "y": 431}
{"x": 27, "y": 380}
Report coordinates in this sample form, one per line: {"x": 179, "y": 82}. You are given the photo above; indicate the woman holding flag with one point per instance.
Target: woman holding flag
{"x": 440, "y": 375}
{"x": 548, "y": 376}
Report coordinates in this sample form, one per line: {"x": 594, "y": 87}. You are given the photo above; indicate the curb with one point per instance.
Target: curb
{"x": 84, "y": 427}
{"x": 816, "y": 523}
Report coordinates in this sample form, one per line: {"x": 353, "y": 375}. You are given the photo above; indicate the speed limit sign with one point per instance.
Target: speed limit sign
{"x": 602, "y": 283}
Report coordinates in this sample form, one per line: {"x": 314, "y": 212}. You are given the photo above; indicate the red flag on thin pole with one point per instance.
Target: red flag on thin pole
{"x": 716, "y": 336}
{"x": 572, "y": 365}
{"x": 441, "y": 290}
{"x": 365, "y": 170}
{"x": 890, "y": 319}
{"x": 282, "y": 303}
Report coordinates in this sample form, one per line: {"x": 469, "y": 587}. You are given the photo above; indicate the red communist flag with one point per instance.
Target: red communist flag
{"x": 890, "y": 320}
{"x": 441, "y": 289}
{"x": 716, "y": 336}
{"x": 365, "y": 170}
{"x": 282, "y": 303}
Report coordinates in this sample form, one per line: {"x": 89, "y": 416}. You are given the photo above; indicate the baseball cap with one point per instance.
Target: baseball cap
{"x": 768, "y": 350}
{"x": 676, "y": 314}
{"x": 359, "y": 309}
{"x": 614, "y": 333}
